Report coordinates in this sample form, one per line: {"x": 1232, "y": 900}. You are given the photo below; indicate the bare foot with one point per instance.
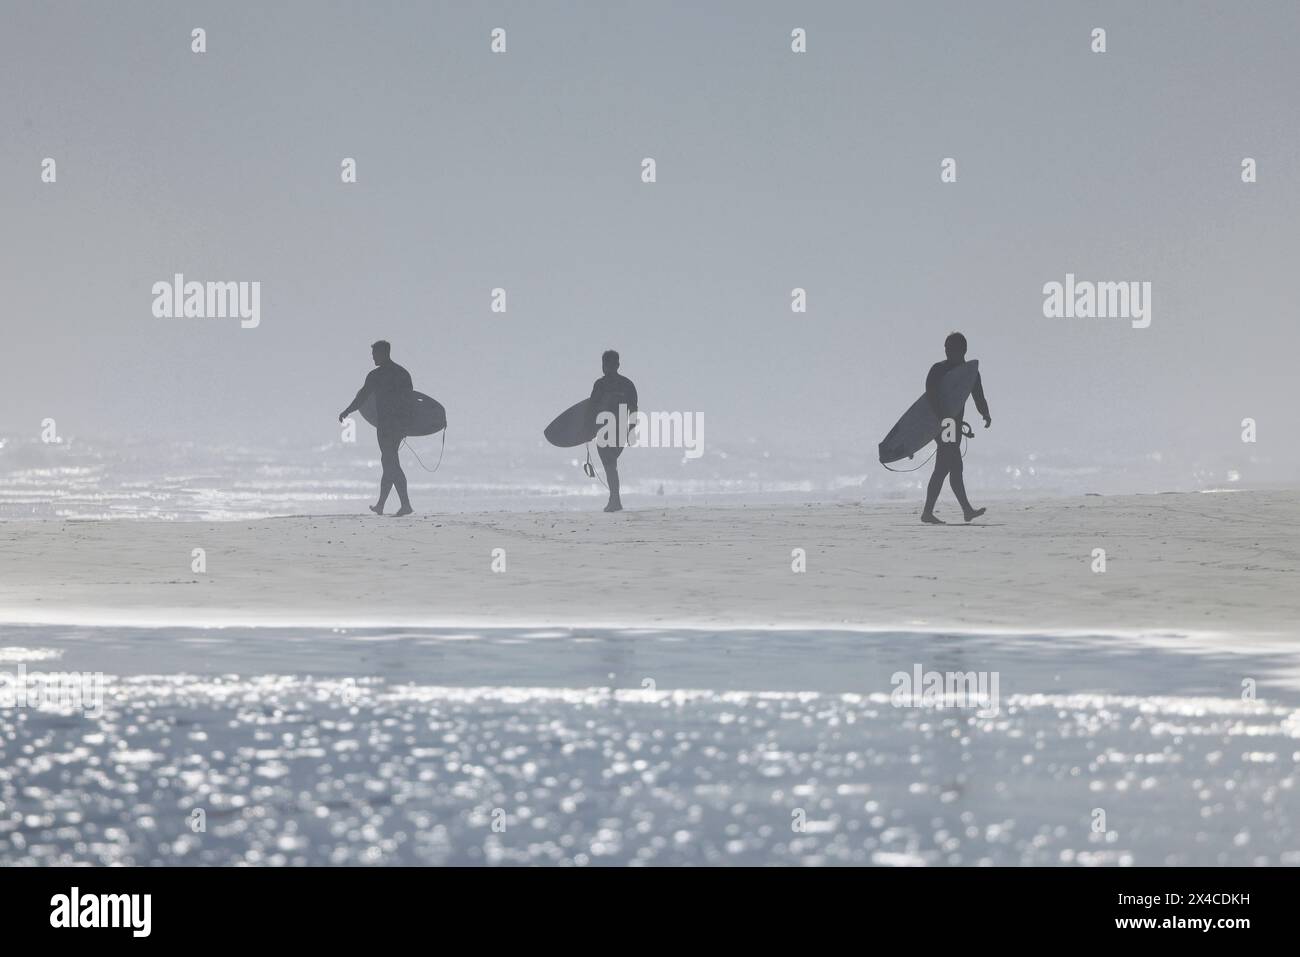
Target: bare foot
{"x": 377, "y": 509}
{"x": 931, "y": 520}
{"x": 614, "y": 507}
{"x": 975, "y": 513}
{"x": 404, "y": 510}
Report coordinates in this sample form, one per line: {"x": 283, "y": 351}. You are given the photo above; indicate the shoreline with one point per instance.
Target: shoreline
{"x": 794, "y": 659}
{"x": 181, "y": 619}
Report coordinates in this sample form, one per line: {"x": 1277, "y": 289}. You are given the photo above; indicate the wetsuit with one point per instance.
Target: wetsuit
{"x": 947, "y": 460}
{"x": 609, "y": 392}
{"x": 391, "y": 386}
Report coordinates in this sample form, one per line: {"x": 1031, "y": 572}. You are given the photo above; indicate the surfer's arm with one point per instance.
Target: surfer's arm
{"x": 981, "y": 404}
{"x": 365, "y": 390}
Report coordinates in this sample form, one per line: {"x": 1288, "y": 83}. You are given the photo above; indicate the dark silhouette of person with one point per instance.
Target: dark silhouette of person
{"x": 947, "y": 459}
{"x": 391, "y": 386}
{"x": 610, "y": 391}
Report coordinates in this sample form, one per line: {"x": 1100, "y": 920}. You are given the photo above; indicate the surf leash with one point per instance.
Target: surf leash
{"x": 440, "y": 452}
{"x": 590, "y": 470}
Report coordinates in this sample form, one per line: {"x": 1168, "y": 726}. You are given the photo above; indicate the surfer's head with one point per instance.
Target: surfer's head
{"x": 609, "y": 361}
{"x": 955, "y": 346}
{"x": 380, "y": 351}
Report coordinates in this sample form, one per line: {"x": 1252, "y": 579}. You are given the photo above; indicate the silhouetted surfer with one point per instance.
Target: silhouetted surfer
{"x": 610, "y": 391}
{"x": 391, "y": 386}
{"x": 947, "y": 460}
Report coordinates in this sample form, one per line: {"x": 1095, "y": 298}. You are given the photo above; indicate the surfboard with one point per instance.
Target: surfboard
{"x": 576, "y": 425}
{"x": 423, "y": 415}
{"x": 919, "y": 425}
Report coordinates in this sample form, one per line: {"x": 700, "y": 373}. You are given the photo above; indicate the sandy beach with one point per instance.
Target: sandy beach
{"x": 1224, "y": 562}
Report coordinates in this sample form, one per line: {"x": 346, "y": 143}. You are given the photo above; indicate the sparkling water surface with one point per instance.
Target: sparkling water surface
{"x": 573, "y": 747}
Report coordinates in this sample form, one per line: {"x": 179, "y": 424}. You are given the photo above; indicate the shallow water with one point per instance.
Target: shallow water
{"x": 643, "y": 746}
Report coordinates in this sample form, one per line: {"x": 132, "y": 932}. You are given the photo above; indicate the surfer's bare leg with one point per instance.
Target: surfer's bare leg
{"x": 609, "y": 459}
{"x": 933, "y": 489}
{"x": 393, "y": 475}
{"x": 958, "y": 482}
{"x": 399, "y": 483}
{"x": 941, "y": 467}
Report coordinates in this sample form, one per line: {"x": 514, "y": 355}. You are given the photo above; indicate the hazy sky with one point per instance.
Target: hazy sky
{"x": 775, "y": 170}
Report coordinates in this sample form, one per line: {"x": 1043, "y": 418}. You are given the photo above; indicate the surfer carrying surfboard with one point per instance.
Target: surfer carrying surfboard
{"x": 391, "y": 386}
{"x": 947, "y": 459}
{"x": 610, "y": 391}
